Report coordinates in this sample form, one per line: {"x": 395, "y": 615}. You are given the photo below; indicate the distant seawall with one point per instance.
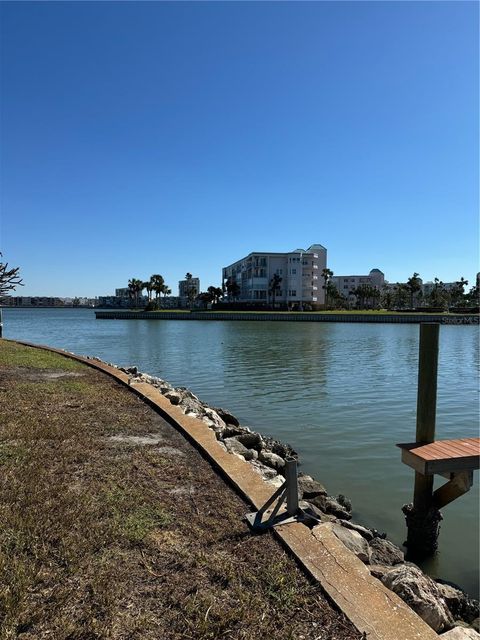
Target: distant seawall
{"x": 290, "y": 317}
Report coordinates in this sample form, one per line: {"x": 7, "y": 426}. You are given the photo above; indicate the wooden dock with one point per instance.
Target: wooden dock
{"x": 455, "y": 460}
{"x": 442, "y": 456}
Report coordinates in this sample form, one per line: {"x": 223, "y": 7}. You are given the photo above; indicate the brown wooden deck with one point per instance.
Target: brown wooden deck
{"x": 442, "y": 456}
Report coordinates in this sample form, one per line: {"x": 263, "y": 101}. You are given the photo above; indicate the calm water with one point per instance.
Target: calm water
{"x": 341, "y": 394}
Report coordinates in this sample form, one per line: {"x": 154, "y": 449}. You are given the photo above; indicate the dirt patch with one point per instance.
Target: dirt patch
{"x": 115, "y": 542}
{"x": 146, "y": 440}
{"x": 23, "y": 374}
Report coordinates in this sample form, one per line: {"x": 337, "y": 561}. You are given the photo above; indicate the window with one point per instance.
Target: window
{"x": 278, "y": 272}
{"x": 292, "y": 293}
{"x": 293, "y": 272}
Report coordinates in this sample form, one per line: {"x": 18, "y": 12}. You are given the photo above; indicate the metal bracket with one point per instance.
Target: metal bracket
{"x": 266, "y": 517}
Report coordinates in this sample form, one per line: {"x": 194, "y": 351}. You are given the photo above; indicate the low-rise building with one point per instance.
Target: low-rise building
{"x": 345, "y": 284}
{"x": 300, "y": 272}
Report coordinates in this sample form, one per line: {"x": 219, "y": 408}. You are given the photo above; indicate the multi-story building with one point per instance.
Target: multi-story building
{"x": 345, "y": 284}
{"x": 188, "y": 289}
{"x": 300, "y": 272}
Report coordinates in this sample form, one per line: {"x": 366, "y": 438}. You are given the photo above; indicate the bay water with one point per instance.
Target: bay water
{"x": 342, "y": 394}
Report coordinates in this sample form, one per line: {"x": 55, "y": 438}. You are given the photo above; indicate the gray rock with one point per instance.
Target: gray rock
{"x": 251, "y": 440}
{"x": 385, "y": 552}
{"x": 267, "y": 473}
{"x": 234, "y": 446}
{"x": 379, "y": 570}
{"x": 460, "y": 633}
{"x": 189, "y": 405}
{"x": 271, "y": 460}
{"x": 227, "y": 417}
{"x": 353, "y": 541}
{"x": 475, "y": 624}
{"x": 311, "y": 509}
{"x": 420, "y": 593}
{"x": 132, "y": 370}
{"x": 329, "y": 505}
{"x": 363, "y": 531}
{"x": 345, "y": 502}
{"x": 310, "y": 488}
{"x": 231, "y": 431}
{"x": 461, "y": 606}
{"x": 173, "y": 396}
{"x": 219, "y": 424}
{"x": 279, "y": 448}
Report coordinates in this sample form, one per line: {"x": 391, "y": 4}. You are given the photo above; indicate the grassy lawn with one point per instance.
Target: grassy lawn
{"x": 106, "y": 535}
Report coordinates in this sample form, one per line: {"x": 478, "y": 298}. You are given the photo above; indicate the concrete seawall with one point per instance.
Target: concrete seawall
{"x": 462, "y": 319}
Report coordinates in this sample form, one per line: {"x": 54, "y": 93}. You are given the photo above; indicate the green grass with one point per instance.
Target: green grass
{"x": 12, "y": 356}
{"x": 135, "y": 526}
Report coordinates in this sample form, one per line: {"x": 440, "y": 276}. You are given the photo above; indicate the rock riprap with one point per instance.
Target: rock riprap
{"x": 439, "y": 604}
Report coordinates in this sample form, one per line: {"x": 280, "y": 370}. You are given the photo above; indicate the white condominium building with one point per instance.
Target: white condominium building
{"x": 189, "y": 288}
{"x": 300, "y": 272}
{"x": 345, "y": 284}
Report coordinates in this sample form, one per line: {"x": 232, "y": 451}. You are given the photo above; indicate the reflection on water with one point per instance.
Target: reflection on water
{"x": 341, "y": 394}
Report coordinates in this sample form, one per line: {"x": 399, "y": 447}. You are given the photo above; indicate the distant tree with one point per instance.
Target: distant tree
{"x": 438, "y": 296}
{"x": 149, "y": 288}
{"x": 360, "y": 294}
{"x": 335, "y": 298}
{"x": 274, "y": 287}
{"x": 457, "y": 294}
{"x": 413, "y": 285}
{"x": 157, "y": 284}
{"x": 400, "y": 295}
{"x": 326, "y": 275}
{"x": 76, "y": 302}
{"x": 387, "y": 298}
{"x": 232, "y": 288}
{"x": 215, "y": 293}
{"x": 166, "y": 291}
{"x": 9, "y": 278}
{"x": 135, "y": 287}
{"x": 205, "y": 297}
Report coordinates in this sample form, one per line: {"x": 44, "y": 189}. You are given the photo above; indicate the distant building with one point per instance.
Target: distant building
{"x": 32, "y": 301}
{"x": 345, "y": 284}
{"x": 123, "y": 292}
{"x": 188, "y": 287}
{"x": 428, "y": 287}
{"x": 300, "y": 272}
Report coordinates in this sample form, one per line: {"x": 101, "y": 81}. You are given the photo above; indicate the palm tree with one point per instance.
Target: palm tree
{"x": 458, "y": 293}
{"x": 326, "y": 275}
{"x": 157, "y": 284}
{"x": 148, "y": 286}
{"x": 274, "y": 287}
{"x": 135, "y": 287}
{"x": 413, "y": 285}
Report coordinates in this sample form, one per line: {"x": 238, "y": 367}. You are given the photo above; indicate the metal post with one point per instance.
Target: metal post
{"x": 291, "y": 481}
{"x": 423, "y": 519}
{"x": 1, "y": 324}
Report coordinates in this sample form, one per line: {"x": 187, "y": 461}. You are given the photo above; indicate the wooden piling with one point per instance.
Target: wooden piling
{"x": 423, "y": 518}
{"x": 426, "y": 406}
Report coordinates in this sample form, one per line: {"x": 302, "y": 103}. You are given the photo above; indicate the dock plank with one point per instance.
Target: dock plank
{"x": 442, "y": 455}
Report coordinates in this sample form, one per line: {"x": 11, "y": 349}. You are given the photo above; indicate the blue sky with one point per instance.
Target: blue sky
{"x": 156, "y": 137}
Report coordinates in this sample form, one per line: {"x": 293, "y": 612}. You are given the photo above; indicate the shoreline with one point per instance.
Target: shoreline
{"x": 441, "y": 605}
{"x": 273, "y": 316}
